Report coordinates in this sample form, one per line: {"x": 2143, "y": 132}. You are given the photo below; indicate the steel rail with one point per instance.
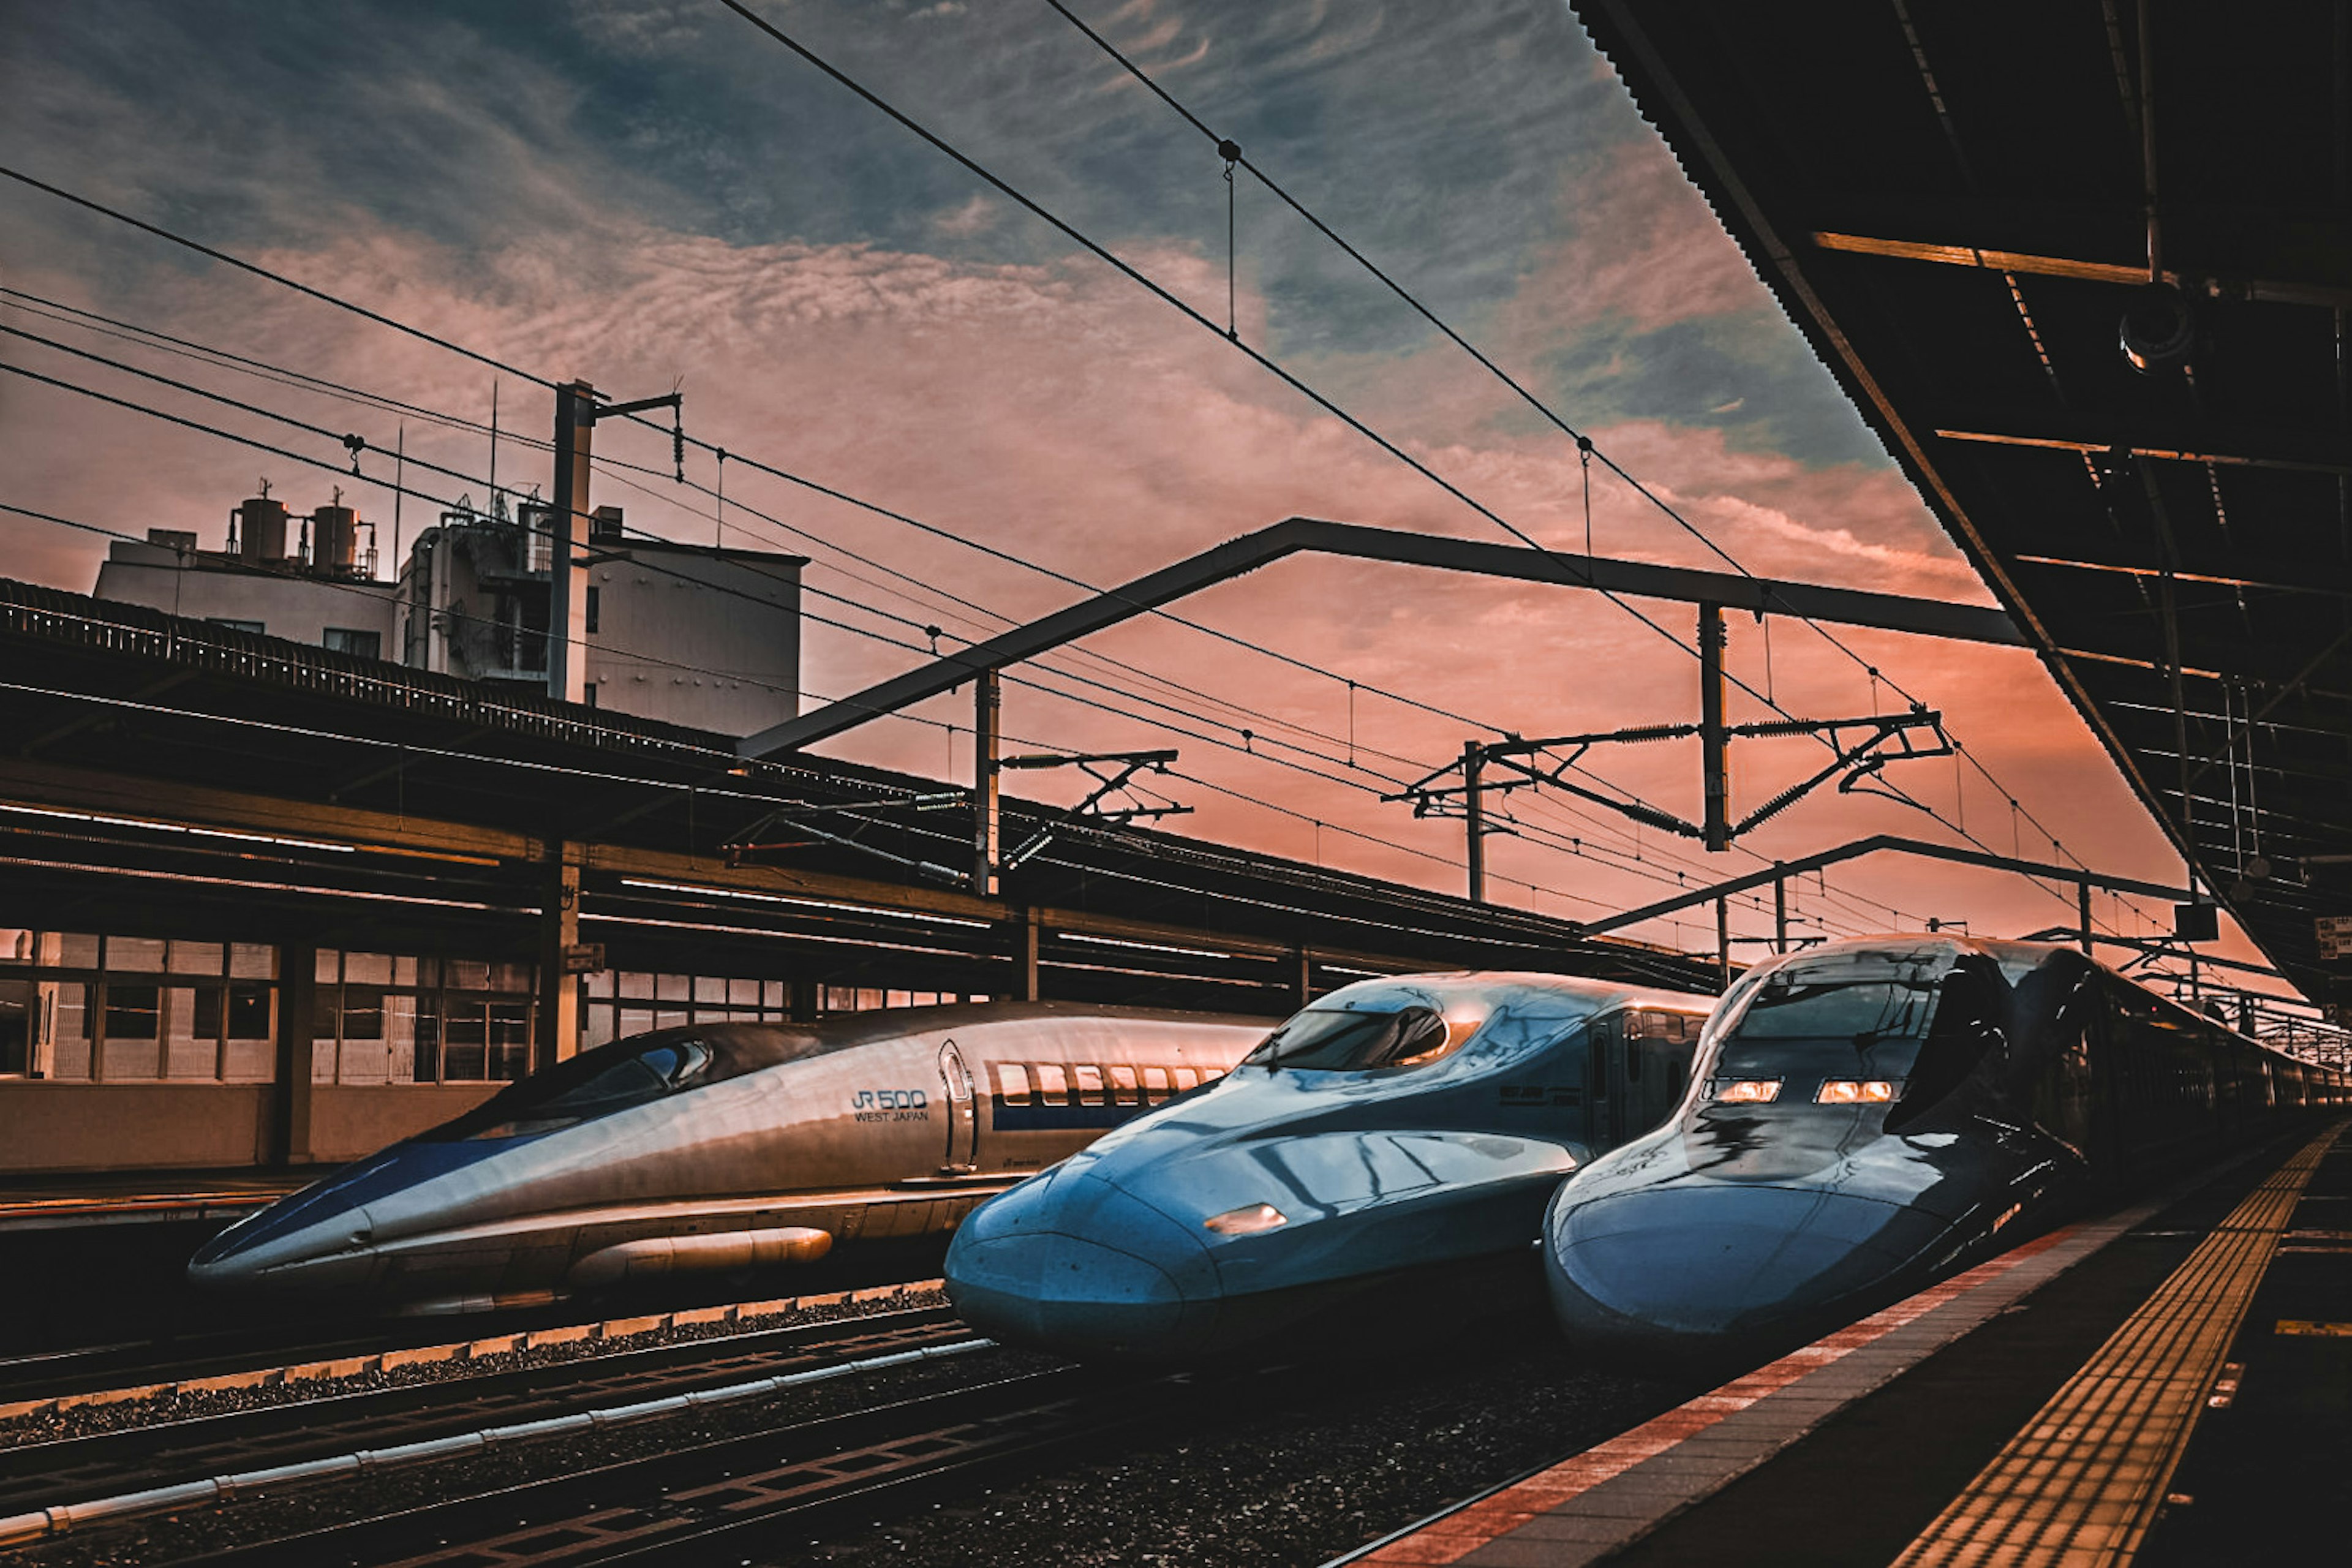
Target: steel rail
{"x": 59, "y": 1520}
{"x": 285, "y": 1433}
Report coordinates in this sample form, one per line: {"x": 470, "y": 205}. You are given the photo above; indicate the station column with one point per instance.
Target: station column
{"x": 298, "y": 1005}
{"x": 561, "y": 957}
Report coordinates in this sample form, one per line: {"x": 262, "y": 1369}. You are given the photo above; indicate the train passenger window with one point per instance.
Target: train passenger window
{"x": 1090, "y": 1083}
{"x": 1155, "y": 1085}
{"x": 1185, "y": 1079}
{"x": 1333, "y": 1040}
{"x": 1123, "y": 1087}
{"x": 1052, "y": 1088}
{"x": 1011, "y": 1083}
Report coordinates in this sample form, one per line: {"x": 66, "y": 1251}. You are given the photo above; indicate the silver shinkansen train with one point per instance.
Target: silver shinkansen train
{"x": 1381, "y": 1162}
{"x": 1869, "y": 1116}
{"x": 723, "y": 1147}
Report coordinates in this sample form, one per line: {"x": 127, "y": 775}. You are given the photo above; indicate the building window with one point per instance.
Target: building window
{"x": 359, "y": 644}
{"x": 256, "y": 627}
{"x": 593, "y": 605}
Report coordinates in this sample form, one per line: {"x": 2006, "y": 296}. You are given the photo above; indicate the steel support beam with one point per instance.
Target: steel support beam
{"x": 1810, "y": 601}
{"x": 2123, "y": 274}
{"x": 567, "y": 596}
{"x": 1714, "y": 742}
{"x": 987, "y": 781}
{"x": 1473, "y": 818}
{"x": 555, "y": 1034}
{"x": 1871, "y": 846}
{"x": 297, "y": 1001}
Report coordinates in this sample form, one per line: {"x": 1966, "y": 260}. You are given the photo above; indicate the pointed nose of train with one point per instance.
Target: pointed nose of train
{"x": 1720, "y": 1267}
{"x": 316, "y": 1244}
{"x": 1070, "y": 1263}
{"x": 324, "y": 1236}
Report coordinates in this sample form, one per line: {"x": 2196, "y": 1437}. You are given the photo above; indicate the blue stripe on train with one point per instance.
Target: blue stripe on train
{"x": 1059, "y": 1118}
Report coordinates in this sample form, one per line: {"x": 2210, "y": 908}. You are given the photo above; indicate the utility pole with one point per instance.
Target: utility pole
{"x": 1723, "y": 940}
{"x": 987, "y": 776}
{"x": 567, "y": 594}
{"x": 1715, "y": 759}
{"x": 1780, "y": 913}
{"x": 2083, "y": 905}
{"x": 1474, "y": 815}
{"x": 576, "y": 413}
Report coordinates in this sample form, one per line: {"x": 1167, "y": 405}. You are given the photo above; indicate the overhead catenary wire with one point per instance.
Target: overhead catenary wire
{"x": 326, "y": 434}
{"x": 1586, "y": 447}
{"x": 800, "y": 480}
{"x": 283, "y": 376}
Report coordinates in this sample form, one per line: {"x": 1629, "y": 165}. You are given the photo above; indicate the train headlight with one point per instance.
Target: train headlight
{"x": 1246, "y": 1221}
{"x": 1746, "y": 1091}
{"x": 1857, "y": 1092}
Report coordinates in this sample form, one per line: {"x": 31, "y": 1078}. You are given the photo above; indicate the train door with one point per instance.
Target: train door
{"x": 1602, "y": 1078}
{"x": 1657, "y": 1065}
{"x": 962, "y": 1115}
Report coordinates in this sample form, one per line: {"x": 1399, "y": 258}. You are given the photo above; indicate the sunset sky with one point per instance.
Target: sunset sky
{"x": 650, "y": 195}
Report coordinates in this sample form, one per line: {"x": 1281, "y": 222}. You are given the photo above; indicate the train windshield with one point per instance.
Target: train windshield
{"x": 612, "y": 1077}
{"x": 1805, "y": 1030}
{"x": 1333, "y": 1040}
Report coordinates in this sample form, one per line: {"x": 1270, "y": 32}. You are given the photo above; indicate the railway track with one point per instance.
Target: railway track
{"x": 340, "y": 1419}
{"x": 739, "y": 1494}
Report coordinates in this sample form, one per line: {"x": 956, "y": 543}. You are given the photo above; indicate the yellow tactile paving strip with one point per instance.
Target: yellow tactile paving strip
{"x": 2080, "y": 1485}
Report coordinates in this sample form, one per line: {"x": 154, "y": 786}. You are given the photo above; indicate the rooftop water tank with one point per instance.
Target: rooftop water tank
{"x": 262, "y": 529}
{"x": 334, "y": 541}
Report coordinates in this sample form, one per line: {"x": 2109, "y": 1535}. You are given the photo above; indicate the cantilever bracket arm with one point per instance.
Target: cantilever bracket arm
{"x": 1871, "y": 846}
{"x": 1813, "y": 600}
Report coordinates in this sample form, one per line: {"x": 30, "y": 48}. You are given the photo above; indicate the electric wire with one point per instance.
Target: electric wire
{"x": 282, "y": 374}
{"x": 797, "y": 479}
{"x": 1585, "y": 444}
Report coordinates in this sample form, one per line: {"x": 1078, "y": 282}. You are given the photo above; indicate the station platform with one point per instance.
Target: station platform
{"x": 80, "y": 1199}
{"x": 2171, "y": 1384}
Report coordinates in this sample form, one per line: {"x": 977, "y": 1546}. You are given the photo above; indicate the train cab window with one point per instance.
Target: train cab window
{"x": 1052, "y": 1087}
{"x": 1185, "y": 1078}
{"x": 1124, "y": 1090}
{"x": 1090, "y": 1083}
{"x": 594, "y": 1083}
{"x": 1332, "y": 1040}
{"x": 1805, "y": 1027}
{"x": 1011, "y": 1083}
{"x": 1155, "y": 1085}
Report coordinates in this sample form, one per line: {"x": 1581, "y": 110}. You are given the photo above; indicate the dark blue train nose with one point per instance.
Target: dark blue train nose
{"x": 1719, "y": 1267}
{"x": 322, "y": 1236}
{"x": 1069, "y": 1263}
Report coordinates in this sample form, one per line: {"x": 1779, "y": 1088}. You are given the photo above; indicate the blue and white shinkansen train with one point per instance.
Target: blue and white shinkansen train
{"x": 1400, "y": 1135}
{"x": 1870, "y": 1115}
{"x": 723, "y": 1147}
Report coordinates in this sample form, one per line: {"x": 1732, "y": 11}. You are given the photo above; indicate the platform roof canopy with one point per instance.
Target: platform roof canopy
{"x": 1951, "y": 200}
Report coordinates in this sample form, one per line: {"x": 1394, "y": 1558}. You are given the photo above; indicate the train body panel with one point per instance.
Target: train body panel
{"x": 717, "y": 1147}
{"x": 1396, "y": 1127}
{"x": 1868, "y": 1116}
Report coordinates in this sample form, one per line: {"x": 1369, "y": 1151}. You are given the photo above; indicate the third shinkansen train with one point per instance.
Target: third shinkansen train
{"x": 1869, "y": 1115}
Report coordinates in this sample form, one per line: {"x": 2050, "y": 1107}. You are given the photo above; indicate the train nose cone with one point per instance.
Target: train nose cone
{"x": 1070, "y": 1264}
{"x": 1717, "y": 1267}
{"x": 322, "y": 1246}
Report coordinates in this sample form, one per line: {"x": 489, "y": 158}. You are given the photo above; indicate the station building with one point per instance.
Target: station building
{"x": 266, "y": 903}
